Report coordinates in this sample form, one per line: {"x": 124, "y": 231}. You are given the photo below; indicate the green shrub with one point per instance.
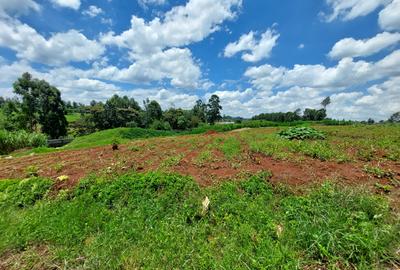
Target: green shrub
{"x": 154, "y": 221}
{"x": 301, "y": 133}
{"x": 23, "y": 193}
{"x": 10, "y": 141}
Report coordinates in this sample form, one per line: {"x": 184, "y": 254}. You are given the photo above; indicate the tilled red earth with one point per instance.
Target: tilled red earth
{"x": 152, "y": 154}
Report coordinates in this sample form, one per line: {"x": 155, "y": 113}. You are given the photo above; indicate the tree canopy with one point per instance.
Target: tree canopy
{"x": 214, "y": 109}
{"x": 41, "y": 104}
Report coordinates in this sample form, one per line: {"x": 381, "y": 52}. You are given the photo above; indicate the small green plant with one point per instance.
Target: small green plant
{"x": 134, "y": 148}
{"x": 32, "y": 171}
{"x": 171, "y": 161}
{"x": 384, "y": 188}
{"x": 115, "y": 144}
{"x": 231, "y": 148}
{"x": 301, "y": 133}
{"x": 58, "y": 167}
{"x": 203, "y": 157}
{"x": 378, "y": 172}
{"x": 10, "y": 141}
{"x": 23, "y": 193}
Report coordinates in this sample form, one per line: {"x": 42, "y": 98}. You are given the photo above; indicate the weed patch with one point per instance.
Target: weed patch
{"x": 155, "y": 220}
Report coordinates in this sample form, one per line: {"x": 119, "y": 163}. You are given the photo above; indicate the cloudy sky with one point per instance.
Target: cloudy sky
{"x": 257, "y": 55}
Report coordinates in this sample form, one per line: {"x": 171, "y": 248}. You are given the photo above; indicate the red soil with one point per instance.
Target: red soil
{"x": 153, "y": 152}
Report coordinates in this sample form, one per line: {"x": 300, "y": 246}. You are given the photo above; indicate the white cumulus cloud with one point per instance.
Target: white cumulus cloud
{"x": 180, "y": 26}
{"x": 146, "y": 3}
{"x": 174, "y": 64}
{"x": 350, "y": 47}
{"x": 345, "y": 74}
{"x": 73, "y": 4}
{"x": 350, "y": 9}
{"x": 18, "y": 7}
{"x": 92, "y": 11}
{"x": 255, "y": 50}
{"x": 60, "y": 48}
{"x": 389, "y": 18}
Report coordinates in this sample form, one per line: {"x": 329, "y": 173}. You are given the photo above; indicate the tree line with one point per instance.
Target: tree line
{"x": 125, "y": 112}
{"x": 39, "y": 107}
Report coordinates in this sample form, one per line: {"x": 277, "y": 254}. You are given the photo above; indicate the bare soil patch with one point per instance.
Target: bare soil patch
{"x": 153, "y": 154}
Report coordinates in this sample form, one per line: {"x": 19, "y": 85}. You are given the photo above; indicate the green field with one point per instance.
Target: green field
{"x": 119, "y": 218}
{"x": 156, "y": 221}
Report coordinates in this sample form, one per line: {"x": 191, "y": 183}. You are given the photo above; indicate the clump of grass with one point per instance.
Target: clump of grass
{"x": 384, "y": 188}
{"x": 203, "y": 158}
{"x": 10, "y": 141}
{"x": 171, "y": 161}
{"x": 32, "y": 171}
{"x": 58, "y": 167}
{"x": 23, "y": 193}
{"x": 154, "y": 221}
{"x": 134, "y": 148}
{"x": 301, "y": 133}
{"x": 378, "y": 172}
{"x": 231, "y": 147}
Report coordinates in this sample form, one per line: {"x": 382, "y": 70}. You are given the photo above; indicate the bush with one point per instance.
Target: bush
{"x": 10, "y": 141}
{"x": 155, "y": 221}
{"x": 23, "y": 193}
{"x": 301, "y": 133}
{"x": 160, "y": 125}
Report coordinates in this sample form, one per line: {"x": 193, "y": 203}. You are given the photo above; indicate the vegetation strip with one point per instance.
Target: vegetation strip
{"x": 157, "y": 220}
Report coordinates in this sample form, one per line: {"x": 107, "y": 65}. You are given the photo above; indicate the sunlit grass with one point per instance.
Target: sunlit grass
{"x": 156, "y": 221}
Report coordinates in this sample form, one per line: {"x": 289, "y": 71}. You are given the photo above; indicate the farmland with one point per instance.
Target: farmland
{"x": 274, "y": 202}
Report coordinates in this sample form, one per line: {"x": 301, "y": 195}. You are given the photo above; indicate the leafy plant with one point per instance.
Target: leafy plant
{"x": 154, "y": 221}
{"x": 10, "y": 141}
{"x": 301, "y": 133}
{"x": 23, "y": 193}
{"x": 378, "y": 172}
{"x": 32, "y": 171}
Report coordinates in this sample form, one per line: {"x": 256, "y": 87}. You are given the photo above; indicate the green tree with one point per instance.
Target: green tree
{"x": 200, "y": 110}
{"x": 326, "y": 102}
{"x": 214, "y": 109}
{"x": 119, "y": 111}
{"x": 27, "y": 88}
{"x": 41, "y": 103}
{"x": 153, "y": 112}
{"x": 51, "y": 110}
{"x": 314, "y": 115}
{"x": 395, "y": 118}
{"x": 12, "y": 117}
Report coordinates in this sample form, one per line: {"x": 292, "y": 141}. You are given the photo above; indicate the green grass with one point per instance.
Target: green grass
{"x": 123, "y": 135}
{"x": 231, "y": 147}
{"x": 342, "y": 144}
{"x": 277, "y": 147}
{"x": 155, "y": 221}
{"x": 10, "y": 141}
{"x": 73, "y": 117}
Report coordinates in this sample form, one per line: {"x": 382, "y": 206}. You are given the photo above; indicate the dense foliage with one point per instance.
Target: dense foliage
{"x": 213, "y": 109}
{"x": 395, "y": 118}
{"x": 125, "y": 112}
{"x": 41, "y": 104}
{"x": 156, "y": 221}
{"x": 10, "y": 141}
{"x": 301, "y": 133}
{"x": 279, "y": 116}
{"x": 308, "y": 115}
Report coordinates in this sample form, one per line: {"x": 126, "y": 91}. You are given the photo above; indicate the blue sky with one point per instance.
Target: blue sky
{"x": 257, "y": 55}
